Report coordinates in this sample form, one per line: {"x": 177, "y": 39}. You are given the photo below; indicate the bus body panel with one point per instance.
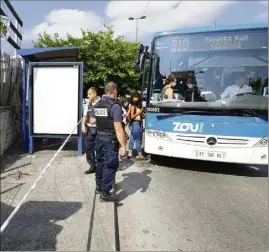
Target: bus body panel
{"x": 258, "y": 156}
{"x": 236, "y": 139}
{"x": 188, "y": 136}
{"x": 214, "y": 125}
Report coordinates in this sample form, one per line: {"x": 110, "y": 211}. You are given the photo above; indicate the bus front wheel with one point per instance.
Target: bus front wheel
{"x": 155, "y": 158}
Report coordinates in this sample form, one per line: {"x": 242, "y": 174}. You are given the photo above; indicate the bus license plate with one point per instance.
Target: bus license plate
{"x": 210, "y": 154}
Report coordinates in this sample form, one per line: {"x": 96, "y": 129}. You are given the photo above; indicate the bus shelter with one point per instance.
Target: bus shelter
{"x": 52, "y": 91}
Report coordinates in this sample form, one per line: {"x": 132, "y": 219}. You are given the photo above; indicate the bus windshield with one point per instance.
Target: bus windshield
{"x": 227, "y": 69}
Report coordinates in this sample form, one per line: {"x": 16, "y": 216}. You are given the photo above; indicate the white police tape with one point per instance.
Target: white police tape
{"x": 36, "y": 181}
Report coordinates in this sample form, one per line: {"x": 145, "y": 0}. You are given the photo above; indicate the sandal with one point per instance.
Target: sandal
{"x": 140, "y": 158}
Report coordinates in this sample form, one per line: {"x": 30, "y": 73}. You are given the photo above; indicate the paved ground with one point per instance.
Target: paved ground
{"x": 57, "y": 213}
{"x": 193, "y": 206}
{"x": 183, "y": 205}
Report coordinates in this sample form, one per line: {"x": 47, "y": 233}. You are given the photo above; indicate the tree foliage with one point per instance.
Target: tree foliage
{"x": 105, "y": 57}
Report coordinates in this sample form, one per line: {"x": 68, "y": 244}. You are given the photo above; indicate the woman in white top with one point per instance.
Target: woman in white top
{"x": 125, "y": 118}
{"x": 124, "y": 107}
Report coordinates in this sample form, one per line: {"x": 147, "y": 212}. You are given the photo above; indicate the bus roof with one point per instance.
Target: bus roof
{"x": 211, "y": 29}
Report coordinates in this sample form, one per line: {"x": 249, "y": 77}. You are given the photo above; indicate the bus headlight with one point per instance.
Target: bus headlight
{"x": 158, "y": 134}
{"x": 262, "y": 143}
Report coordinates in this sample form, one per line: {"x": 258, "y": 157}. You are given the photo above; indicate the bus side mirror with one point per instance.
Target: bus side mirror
{"x": 141, "y": 58}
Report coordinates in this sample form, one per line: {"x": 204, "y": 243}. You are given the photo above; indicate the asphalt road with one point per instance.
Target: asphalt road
{"x": 183, "y": 205}
{"x": 172, "y": 206}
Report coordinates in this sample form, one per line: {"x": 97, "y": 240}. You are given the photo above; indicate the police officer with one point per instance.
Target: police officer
{"x": 89, "y": 128}
{"x": 109, "y": 142}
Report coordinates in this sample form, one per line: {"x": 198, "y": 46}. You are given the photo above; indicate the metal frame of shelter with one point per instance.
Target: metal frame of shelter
{"x": 54, "y": 56}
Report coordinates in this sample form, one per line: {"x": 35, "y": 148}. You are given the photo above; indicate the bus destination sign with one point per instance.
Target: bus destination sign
{"x": 232, "y": 42}
{"x": 219, "y": 42}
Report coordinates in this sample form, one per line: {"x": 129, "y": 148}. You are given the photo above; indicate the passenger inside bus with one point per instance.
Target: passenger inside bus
{"x": 167, "y": 91}
{"x": 192, "y": 93}
{"x": 177, "y": 87}
{"x": 239, "y": 87}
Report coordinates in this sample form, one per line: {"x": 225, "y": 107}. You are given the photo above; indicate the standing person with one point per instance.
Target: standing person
{"x": 109, "y": 142}
{"x": 125, "y": 118}
{"x": 89, "y": 128}
{"x": 167, "y": 91}
{"x": 124, "y": 106}
{"x": 193, "y": 94}
{"x": 135, "y": 126}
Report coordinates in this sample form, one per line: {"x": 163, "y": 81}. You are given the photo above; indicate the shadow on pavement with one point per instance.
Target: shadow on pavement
{"x": 12, "y": 188}
{"x": 212, "y": 167}
{"x": 14, "y": 155}
{"x": 133, "y": 182}
{"x": 35, "y": 226}
{"x": 125, "y": 164}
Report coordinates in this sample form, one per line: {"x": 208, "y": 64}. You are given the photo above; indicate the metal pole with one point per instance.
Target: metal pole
{"x": 144, "y": 76}
{"x": 136, "y": 30}
{"x": 16, "y": 37}
{"x": 24, "y": 109}
{"x": 80, "y": 136}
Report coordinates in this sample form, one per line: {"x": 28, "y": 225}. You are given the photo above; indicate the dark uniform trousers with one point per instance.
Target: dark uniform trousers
{"x": 90, "y": 145}
{"x": 107, "y": 161}
{"x": 107, "y": 145}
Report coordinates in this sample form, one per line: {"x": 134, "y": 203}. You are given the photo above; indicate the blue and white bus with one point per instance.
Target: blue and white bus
{"x": 215, "y": 127}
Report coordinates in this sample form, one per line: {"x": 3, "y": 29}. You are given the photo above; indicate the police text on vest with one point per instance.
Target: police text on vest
{"x": 100, "y": 112}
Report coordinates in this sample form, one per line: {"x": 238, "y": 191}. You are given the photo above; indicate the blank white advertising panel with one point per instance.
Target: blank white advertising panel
{"x": 55, "y": 99}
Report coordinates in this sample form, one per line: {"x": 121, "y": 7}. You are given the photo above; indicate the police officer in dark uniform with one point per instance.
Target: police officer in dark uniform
{"x": 109, "y": 142}
{"x": 89, "y": 128}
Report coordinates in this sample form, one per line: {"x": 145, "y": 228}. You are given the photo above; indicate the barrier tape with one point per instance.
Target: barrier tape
{"x": 36, "y": 181}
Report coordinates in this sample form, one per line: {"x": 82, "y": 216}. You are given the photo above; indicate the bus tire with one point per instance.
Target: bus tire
{"x": 155, "y": 158}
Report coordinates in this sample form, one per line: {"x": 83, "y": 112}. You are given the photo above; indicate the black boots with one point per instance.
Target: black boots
{"x": 108, "y": 197}
{"x": 105, "y": 196}
{"x": 97, "y": 189}
{"x": 92, "y": 169}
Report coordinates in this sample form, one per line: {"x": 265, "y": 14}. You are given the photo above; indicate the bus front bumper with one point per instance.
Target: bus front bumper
{"x": 250, "y": 155}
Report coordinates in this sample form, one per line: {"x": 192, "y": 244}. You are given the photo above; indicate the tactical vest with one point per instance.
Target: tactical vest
{"x": 104, "y": 122}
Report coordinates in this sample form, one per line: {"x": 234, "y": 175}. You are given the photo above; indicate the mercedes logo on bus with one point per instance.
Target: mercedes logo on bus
{"x": 211, "y": 141}
{"x": 151, "y": 124}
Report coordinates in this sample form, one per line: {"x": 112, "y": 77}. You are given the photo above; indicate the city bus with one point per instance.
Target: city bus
{"x": 223, "y": 115}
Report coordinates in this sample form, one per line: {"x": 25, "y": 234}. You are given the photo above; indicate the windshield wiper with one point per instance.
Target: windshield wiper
{"x": 236, "y": 112}
{"x": 196, "y": 112}
{"x": 249, "y": 112}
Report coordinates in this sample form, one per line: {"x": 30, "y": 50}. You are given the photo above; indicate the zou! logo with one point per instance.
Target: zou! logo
{"x": 185, "y": 127}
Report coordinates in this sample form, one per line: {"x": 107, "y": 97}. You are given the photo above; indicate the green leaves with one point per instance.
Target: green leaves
{"x": 103, "y": 55}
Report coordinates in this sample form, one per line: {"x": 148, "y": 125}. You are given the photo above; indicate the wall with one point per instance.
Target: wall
{"x": 10, "y": 101}
{"x": 10, "y": 127}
